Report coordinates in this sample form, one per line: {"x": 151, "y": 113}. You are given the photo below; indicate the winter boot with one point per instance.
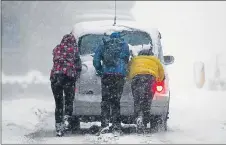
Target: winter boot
{"x": 140, "y": 128}
{"x": 104, "y": 127}
{"x": 117, "y": 131}
{"x": 67, "y": 123}
{"x": 59, "y": 129}
{"x": 103, "y": 130}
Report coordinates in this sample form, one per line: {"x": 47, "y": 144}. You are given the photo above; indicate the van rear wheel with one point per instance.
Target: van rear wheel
{"x": 75, "y": 124}
{"x": 159, "y": 122}
{"x": 154, "y": 121}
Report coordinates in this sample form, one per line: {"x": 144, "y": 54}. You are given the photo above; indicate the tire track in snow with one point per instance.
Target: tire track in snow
{"x": 190, "y": 122}
{"x": 46, "y": 134}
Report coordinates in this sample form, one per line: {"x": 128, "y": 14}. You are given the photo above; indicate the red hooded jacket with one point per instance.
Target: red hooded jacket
{"x": 66, "y": 57}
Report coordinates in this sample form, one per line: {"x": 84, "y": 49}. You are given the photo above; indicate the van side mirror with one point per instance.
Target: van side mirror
{"x": 168, "y": 59}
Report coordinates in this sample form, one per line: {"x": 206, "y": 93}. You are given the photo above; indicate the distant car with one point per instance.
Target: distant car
{"x": 218, "y": 81}
{"x": 88, "y": 95}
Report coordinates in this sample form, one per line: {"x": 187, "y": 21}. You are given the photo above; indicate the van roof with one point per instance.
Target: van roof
{"x": 106, "y": 26}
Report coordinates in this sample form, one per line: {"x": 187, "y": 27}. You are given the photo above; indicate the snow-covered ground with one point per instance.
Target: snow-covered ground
{"x": 197, "y": 116}
{"x": 23, "y": 116}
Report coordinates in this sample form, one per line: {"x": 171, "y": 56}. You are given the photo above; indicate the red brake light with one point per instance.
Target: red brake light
{"x": 158, "y": 87}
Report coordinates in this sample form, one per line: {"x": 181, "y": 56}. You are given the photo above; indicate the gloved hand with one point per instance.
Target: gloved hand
{"x": 56, "y": 79}
{"x": 78, "y": 75}
{"x": 99, "y": 73}
{"x": 78, "y": 72}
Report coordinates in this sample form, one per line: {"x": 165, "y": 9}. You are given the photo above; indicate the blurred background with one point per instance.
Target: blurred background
{"x": 191, "y": 31}
{"x": 31, "y": 29}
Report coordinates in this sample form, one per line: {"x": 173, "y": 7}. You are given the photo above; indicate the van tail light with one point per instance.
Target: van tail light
{"x": 159, "y": 87}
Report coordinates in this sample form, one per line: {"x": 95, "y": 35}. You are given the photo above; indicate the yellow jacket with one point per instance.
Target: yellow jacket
{"x": 143, "y": 64}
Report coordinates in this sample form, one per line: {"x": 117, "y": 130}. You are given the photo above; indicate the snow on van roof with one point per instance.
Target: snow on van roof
{"x": 106, "y": 26}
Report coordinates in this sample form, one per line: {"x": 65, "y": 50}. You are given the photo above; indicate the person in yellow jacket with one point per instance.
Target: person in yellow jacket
{"x": 144, "y": 70}
{"x": 146, "y": 63}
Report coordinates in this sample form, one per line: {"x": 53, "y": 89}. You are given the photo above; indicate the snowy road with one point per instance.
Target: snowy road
{"x": 197, "y": 117}
{"x": 196, "y": 33}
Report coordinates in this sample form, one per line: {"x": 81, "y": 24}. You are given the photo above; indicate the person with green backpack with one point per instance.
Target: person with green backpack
{"x": 111, "y": 61}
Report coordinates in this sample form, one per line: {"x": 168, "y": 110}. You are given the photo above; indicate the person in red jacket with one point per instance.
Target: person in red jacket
{"x": 66, "y": 69}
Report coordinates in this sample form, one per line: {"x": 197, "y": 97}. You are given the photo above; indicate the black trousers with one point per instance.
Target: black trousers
{"x": 112, "y": 88}
{"x": 63, "y": 86}
{"x": 142, "y": 94}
